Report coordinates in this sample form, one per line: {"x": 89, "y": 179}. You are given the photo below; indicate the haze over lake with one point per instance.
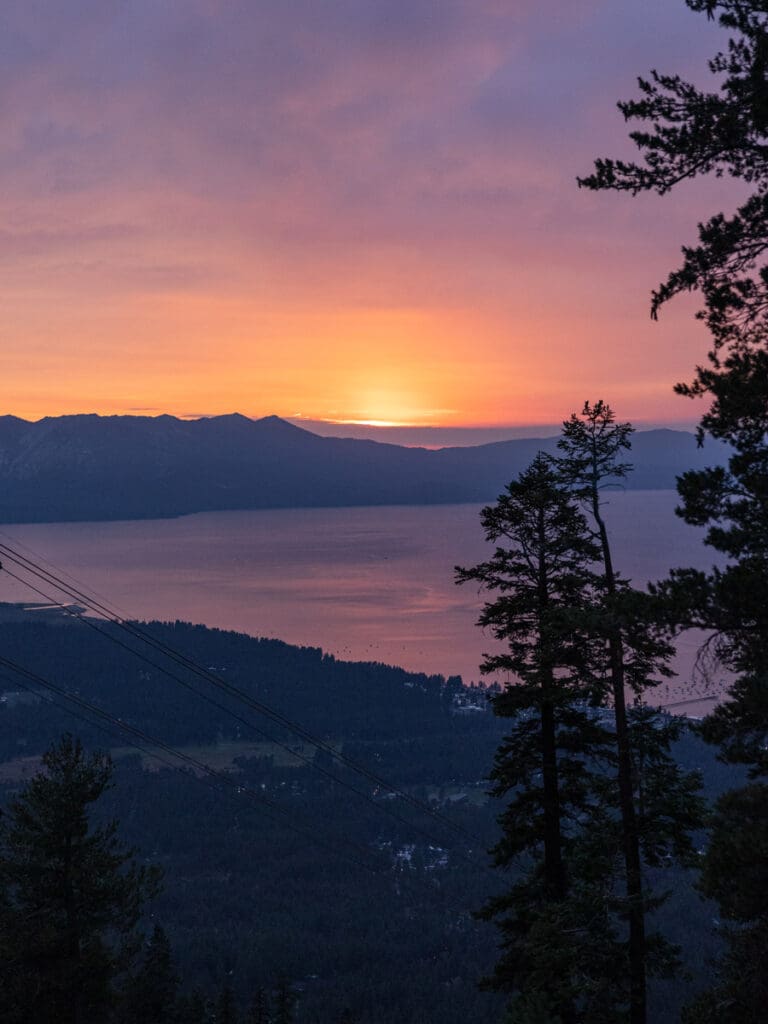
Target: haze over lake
{"x": 372, "y": 583}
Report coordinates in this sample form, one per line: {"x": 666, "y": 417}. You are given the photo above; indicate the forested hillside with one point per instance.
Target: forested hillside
{"x": 301, "y": 868}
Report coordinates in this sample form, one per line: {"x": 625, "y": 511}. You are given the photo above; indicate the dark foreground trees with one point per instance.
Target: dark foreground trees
{"x": 593, "y": 446}
{"x": 658, "y": 808}
{"x": 594, "y": 795}
{"x": 731, "y": 602}
{"x": 539, "y": 572}
{"x": 574, "y": 941}
{"x": 70, "y": 895}
{"x": 734, "y": 875}
{"x": 685, "y": 131}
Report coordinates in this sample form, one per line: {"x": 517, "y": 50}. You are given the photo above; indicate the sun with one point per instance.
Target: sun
{"x": 373, "y": 423}
{"x": 388, "y": 406}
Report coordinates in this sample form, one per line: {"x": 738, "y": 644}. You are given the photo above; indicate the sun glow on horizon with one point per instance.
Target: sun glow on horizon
{"x": 377, "y": 423}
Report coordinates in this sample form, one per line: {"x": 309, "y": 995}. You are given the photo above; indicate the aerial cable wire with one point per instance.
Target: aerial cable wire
{"x": 112, "y": 731}
{"x": 147, "y": 744}
{"x": 153, "y": 755}
{"x": 92, "y": 624}
{"x": 36, "y": 557}
{"x": 275, "y": 809}
{"x": 137, "y": 632}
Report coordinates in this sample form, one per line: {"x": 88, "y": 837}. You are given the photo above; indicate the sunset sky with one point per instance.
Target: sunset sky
{"x": 337, "y": 209}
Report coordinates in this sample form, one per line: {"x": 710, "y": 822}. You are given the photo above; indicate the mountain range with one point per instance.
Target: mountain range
{"x": 89, "y": 467}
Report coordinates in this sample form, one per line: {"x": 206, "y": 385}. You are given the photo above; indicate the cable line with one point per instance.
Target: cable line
{"x": 233, "y": 714}
{"x": 104, "y": 728}
{"x": 117, "y": 727}
{"x": 152, "y": 741}
{"x": 211, "y": 678}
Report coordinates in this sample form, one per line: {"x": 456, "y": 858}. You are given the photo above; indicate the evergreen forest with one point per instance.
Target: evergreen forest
{"x": 357, "y": 899}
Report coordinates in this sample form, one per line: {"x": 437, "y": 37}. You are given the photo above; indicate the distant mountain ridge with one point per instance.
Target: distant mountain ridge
{"x": 90, "y": 467}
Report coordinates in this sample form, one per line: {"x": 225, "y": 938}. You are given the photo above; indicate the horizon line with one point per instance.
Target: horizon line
{"x": 378, "y": 425}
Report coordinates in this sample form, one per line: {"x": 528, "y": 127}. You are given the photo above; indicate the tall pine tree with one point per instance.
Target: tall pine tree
{"x": 657, "y": 804}
{"x": 557, "y": 939}
{"x": 592, "y": 446}
{"x": 71, "y": 895}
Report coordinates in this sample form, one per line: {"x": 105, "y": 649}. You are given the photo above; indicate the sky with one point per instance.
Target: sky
{"x": 347, "y": 210}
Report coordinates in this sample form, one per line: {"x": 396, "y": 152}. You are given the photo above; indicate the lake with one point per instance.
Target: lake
{"x": 372, "y": 584}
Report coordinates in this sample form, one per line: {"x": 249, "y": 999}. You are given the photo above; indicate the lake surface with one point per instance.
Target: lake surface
{"x": 372, "y": 584}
